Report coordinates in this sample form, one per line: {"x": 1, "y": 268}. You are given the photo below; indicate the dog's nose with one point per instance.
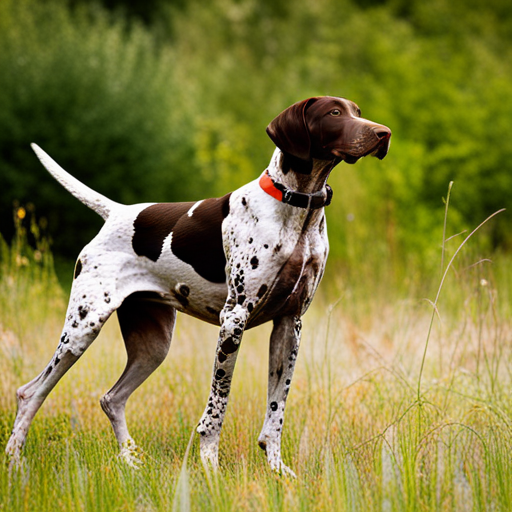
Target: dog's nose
{"x": 382, "y": 132}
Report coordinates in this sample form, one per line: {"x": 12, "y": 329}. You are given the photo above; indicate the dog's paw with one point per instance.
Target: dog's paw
{"x": 13, "y": 452}
{"x": 131, "y": 454}
{"x": 283, "y": 469}
{"x": 14, "y": 459}
{"x": 274, "y": 458}
{"x": 16, "y": 464}
{"x": 209, "y": 450}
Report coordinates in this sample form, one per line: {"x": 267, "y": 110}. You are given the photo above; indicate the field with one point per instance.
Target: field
{"x": 396, "y": 405}
{"x": 401, "y": 399}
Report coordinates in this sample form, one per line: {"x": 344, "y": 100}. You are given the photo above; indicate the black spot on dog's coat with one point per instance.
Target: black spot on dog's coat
{"x": 181, "y": 299}
{"x": 184, "y": 290}
{"x": 263, "y": 289}
{"x": 229, "y": 346}
{"x": 254, "y": 262}
{"x": 78, "y": 268}
{"x": 321, "y": 225}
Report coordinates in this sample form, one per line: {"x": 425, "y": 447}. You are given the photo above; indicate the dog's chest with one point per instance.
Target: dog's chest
{"x": 276, "y": 254}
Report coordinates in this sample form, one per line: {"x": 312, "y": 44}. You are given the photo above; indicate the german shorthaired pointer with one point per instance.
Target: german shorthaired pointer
{"x": 254, "y": 255}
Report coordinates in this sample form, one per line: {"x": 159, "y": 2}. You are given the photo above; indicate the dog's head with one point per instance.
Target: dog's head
{"x": 328, "y": 128}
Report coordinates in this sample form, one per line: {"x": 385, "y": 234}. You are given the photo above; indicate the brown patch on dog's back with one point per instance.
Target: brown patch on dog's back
{"x": 197, "y": 240}
{"x": 153, "y": 225}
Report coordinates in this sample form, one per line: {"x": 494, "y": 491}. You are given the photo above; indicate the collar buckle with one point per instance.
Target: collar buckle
{"x": 287, "y": 196}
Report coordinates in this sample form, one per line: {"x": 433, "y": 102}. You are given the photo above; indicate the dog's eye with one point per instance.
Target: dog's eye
{"x": 335, "y": 112}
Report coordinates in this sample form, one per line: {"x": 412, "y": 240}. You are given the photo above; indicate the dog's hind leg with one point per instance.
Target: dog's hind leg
{"x": 147, "y": 326}
{"x": 84, "y": 320}
{"x": 284, "y": 347}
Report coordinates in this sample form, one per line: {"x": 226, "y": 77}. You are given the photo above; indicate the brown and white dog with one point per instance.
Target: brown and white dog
{"x": 254, "y": 255}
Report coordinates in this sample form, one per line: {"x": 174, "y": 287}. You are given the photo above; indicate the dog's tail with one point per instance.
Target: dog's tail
{"x": 94, "y": 200}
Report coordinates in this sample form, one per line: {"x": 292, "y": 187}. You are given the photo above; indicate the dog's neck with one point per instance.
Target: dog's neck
{"x": 291, "y": 172}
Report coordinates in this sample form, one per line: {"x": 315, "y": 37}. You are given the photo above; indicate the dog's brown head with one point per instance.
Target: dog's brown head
{"x": 328, "y": 128}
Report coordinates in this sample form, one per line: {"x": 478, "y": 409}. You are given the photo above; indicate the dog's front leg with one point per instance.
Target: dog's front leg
{"x": 284, "y": 347}
{"x": 233, "y": 321}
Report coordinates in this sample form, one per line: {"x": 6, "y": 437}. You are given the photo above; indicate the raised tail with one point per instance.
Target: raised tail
{"x": 94, "y": 200}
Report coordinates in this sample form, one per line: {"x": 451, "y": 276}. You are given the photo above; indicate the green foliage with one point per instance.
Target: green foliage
{"x": 177, "y": 109}
{"x": 97, "y": 95}
{"x": 27, "y": 274}
{"x": 430, "y": 87}
{"x": 437, "y": 76}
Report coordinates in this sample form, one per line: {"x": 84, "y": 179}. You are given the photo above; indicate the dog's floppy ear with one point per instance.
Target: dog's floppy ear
{"x": 289, "y": 131}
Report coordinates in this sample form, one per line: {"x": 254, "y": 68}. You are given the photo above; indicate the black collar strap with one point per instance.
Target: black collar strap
{"x": 299, "y": 199}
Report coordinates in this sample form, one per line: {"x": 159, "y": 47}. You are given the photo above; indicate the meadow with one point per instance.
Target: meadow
{"x": 401, "y": 395}
{"x": 400, "y": 400}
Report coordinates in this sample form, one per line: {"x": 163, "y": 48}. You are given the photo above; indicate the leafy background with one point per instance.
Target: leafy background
{"x": 168, "y": 100}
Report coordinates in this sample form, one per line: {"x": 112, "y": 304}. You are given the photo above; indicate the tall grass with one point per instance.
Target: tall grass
{"x": 30, "y": 299}
{"x": 355, "y": 432}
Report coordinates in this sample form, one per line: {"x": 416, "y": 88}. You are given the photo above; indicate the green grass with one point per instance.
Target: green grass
{"x": 362, "y": 432}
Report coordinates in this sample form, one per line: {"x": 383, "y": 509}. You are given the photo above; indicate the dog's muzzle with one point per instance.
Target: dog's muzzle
{"x": 374, "y": 141}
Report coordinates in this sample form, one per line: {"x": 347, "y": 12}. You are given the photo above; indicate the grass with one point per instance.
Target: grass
{"x": 376, "y": 419}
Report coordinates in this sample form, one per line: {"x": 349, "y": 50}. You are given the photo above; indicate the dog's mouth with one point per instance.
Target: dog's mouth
{"x": 351, "y": 159}
{"x": 379, "y": 150}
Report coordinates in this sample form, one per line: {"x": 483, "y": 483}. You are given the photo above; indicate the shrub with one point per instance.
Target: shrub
{"x": 101, "y": 98}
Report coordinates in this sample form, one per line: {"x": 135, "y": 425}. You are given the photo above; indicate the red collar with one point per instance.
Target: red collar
{"x": 267, "y": 184}
{"x": 299, "y": 199}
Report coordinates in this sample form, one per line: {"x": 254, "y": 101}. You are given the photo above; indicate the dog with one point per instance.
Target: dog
{"x": 255, "y": 255}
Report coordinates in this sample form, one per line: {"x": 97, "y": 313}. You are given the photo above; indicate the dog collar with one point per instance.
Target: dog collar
{"x": 299, "y": 199}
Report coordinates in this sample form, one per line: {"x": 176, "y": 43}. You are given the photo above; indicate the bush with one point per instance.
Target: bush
{"x": 436, "y": 74}
{"x": 101, "y": 98}
{"x": 179, "y": 112}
